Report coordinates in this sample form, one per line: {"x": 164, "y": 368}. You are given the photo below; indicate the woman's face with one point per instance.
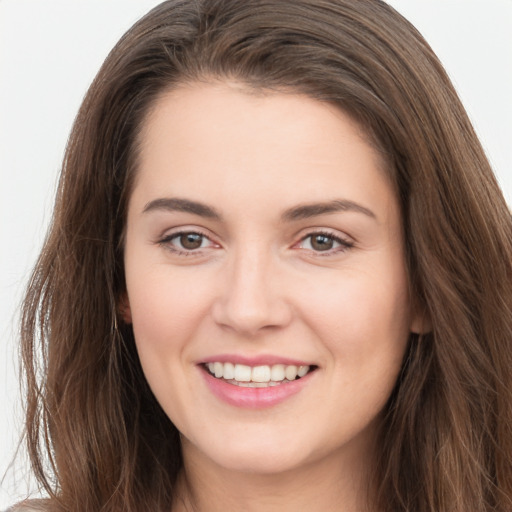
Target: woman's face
{"x": 264, "y": 243}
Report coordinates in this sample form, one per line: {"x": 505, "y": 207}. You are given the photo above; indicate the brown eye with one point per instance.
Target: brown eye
{"x": 186, "y": 243}
{"x": 322, "y": 242}
{"x": 325, "y": 243}
{"x": 191, "y": 241}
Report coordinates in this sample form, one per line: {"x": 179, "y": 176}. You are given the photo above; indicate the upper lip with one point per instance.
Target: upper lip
{"x": 261, "y": 360}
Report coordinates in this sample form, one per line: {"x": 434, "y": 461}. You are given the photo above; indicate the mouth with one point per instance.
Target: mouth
{"x": 261, "y": 376}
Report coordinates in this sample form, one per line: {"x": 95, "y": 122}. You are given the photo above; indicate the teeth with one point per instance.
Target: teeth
{"x": 229, "y": 371}
{"x": 218, "y": 369}
{"x": 302, "y": 371}
{"x": 260, "y": 374}
{"x": 257, "y": 376}
{"x": 277, "y": 372}
{"x": 242, "y": 373}
{"x": 291, "y": 372}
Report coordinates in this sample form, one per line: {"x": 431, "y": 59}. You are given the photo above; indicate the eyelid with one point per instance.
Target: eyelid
{"x": 345, "y": 242}
{"x": 169, "y": 235}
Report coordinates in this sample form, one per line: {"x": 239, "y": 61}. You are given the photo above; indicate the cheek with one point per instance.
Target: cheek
{"x": 166, "y": 306}
{"x": 167, "y": 310}
{"x": 362, "y": 313}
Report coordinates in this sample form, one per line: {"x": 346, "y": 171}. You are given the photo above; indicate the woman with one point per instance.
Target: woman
{"x": 277, "y": 276}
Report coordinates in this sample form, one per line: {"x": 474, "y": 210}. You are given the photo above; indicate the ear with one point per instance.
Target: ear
{"x": 123, "y": 308}
{"x": 420, "y": 321}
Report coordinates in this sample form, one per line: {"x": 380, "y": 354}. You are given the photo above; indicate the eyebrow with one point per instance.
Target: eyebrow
{"x": 176, "y": 204}
{"x": 300, "y": 212}
{"x": 307, "y": 211}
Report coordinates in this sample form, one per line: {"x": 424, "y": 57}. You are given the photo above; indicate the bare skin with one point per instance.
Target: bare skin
{"x": 262, "y": 229}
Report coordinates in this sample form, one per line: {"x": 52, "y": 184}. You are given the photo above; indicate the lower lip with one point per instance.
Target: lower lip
{"x": 253, "y": 398}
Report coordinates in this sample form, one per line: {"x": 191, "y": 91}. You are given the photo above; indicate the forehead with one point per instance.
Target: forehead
{"x": 235, "y": 103}
{"x": 225, "y": 141}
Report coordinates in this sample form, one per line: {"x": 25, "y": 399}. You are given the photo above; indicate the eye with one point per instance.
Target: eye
{"x": 185, "y": 242}
{"x": 190, "y": 241}
{"x": 324, "y": 242}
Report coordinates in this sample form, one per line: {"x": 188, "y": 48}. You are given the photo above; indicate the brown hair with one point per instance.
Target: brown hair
{"x": 97, "y": 438}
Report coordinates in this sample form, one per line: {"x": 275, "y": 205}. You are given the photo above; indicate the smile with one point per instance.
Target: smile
{"x": 257, "y": 385}
{"x": 257, "y": 376}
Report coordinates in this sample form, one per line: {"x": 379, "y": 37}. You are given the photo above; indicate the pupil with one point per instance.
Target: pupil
{"x": 191, "y": 240}
{"x": 322, "y": 242}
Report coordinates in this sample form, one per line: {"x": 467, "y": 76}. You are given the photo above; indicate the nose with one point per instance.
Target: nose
{"x": 252, "y": 296}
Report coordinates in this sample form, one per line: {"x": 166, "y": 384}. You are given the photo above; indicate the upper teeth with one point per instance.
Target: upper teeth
{"x": 264, "y": 373}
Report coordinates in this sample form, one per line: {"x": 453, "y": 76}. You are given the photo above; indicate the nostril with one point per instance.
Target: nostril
{"x": 250, "y": 316}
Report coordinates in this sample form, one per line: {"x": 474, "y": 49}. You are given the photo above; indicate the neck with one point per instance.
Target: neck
{"x": 325, "y": 485}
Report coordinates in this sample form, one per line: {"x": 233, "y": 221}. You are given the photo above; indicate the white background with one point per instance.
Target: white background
{"x": 49, "y": 53}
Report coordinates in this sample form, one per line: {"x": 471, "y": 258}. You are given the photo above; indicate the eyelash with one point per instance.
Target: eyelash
{"x": 344, "y": 244}
{"x": 166, "y": 242}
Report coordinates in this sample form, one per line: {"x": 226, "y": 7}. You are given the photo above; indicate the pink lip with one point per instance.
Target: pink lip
{"x": 261, "y": 360}
{"x": 253, "y": 398}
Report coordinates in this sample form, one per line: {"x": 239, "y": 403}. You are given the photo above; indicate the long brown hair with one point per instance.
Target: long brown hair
{"x": 97, "y": 438}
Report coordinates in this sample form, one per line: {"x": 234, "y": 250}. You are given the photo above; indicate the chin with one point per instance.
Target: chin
{"x": 267, "y": 463}
{"x": 265, "y": 457}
